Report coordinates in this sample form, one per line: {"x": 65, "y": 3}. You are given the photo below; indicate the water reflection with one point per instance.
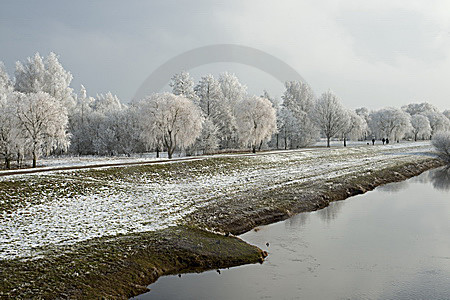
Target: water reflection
{"x": 394, "y": 187}
{"x": 297, "y": 221}
{"x": 331, "y": 212}
{"x": 441, "y": 178}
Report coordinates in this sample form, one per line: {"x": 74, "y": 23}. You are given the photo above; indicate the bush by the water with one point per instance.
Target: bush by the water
{"x": 441, "y": 142}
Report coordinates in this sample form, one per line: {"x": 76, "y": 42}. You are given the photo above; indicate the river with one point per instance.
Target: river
{"x": 390, "y": 243}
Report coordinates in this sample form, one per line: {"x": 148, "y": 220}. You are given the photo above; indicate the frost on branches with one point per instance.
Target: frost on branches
{"x": 390, "y": 122}
{"x": 296, "y": 126}
{"x": 441, "y": 142}
{"x": 256, "y": 119}
{"x": 420, "y": 126}
{"x": 330, "y": 115}
{"x": 49, "y": 76}
{"x": 43, "y": 122}
{"x": 170, "y": 121}
{"x": 356, "y": 127}
{"x": 216, "y": 108}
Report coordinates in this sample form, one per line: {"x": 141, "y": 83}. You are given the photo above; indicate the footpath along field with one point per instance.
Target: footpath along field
{"x": 57, "y": 217}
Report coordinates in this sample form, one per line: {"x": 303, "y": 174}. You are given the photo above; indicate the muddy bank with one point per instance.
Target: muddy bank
{"x": 260, "y": 207}
{"x": 121, "y": 267}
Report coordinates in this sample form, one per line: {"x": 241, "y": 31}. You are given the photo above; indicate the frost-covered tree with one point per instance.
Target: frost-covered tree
{"x": 438, "y": 121}
{"x": 233, "y": 91}
{"x": 256, "y": 119}
{"x": 419, "y": 108}
{"x": 97, "y": 125}
{"x": 208, "y": 141}
{"x": 57, "y": 81}
{"x": 12, "y": 143}
{"x": 441, "y": 142}
{"x": 288, "y": 125}
{"x": 171, "y": 120}
{"x": 330, "y": 115}
{"x": 30, "y": 75}
{"x": 276, "y": 104}
{"x": 420, "y": 126}
{"x": 363, "y": 112}
{"x": 49, "y": 76}
{"x": 390, "y": 122}
{"x": 107, "y": 102}
{"x": 119, "y": 133}
{"x": 356, "y": 127}
{"x": 182, "y": 84}
{"x": 210, "y": 95}
{"x": 43, "y": 122}
{"x": 447, "y": 113}
{"x": 105, "y": 119}
{"x": 298, "y": 102}
{"x": 10, "y": 136}
{"x": 80, "y": 122}
{"x": 216, "y": 108}
{"x": 5, "y": 82}
{"x": 298, "y": 97}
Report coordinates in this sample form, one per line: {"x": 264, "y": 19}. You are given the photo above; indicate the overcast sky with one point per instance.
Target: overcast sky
{"x": 370, "y": 53}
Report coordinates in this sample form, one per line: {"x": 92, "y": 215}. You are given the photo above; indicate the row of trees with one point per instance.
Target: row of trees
{"x": 41, "y": 114}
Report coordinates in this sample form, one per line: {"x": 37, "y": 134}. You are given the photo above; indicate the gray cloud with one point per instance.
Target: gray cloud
{"x": 386, "y": 35}
{"x": 383, "y": 53}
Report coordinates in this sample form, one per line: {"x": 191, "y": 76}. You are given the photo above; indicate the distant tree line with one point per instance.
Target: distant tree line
{"x": 40, "y": 114}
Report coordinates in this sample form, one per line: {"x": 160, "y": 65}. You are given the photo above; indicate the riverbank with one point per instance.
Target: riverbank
{"x": 112, "y": 231}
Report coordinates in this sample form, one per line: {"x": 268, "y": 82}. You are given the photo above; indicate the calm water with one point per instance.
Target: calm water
{"x": 391, "y": 243}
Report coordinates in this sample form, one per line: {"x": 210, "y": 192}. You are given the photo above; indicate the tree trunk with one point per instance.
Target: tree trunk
{"x": 254, "y": 149}
{"x": 157, "y": 152}
{"x": 7, "y": 163}
{"x": 345, "y": 142}
{"x": 328, "y": 141}
{"x": 278, "y": 136}
{"x": 34, "y": 159}
{"x": 169, "y": 152}
{"x": 260, "y": 145}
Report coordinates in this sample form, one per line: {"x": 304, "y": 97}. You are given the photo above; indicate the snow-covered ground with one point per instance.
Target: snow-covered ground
{"x": 66, "y": 207}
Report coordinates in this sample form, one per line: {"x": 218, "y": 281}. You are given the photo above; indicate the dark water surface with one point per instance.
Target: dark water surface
{"x": 391, "y": 243}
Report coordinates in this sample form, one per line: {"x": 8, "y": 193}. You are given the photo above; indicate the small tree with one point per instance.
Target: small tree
{"x": 256, "y": 119}
{"x": 43, "y": 122}
{"x": 10, "y": 135}
{"x": 330, "y": 115}
{"x": 208, "y": 140}
{"x": 298, "y": 103}
{"x": 356, "y": 127}
{"x": 420, "y": 126}
{"x": 174, "y": 121}
{"x": 441, "y": 142}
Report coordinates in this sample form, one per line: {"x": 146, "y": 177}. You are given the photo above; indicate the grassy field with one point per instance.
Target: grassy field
{"x": 51, "y": 215}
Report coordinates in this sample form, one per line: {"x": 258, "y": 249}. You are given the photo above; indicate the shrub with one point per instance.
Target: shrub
{"x": 441, "y": 142}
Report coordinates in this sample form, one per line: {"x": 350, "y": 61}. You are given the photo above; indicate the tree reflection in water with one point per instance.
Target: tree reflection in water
{"x": 441, "y": 178}
{"x": 331, "y": 212}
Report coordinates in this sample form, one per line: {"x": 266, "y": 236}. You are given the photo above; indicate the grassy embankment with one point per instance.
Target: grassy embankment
{"x": 220, "y": 194}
